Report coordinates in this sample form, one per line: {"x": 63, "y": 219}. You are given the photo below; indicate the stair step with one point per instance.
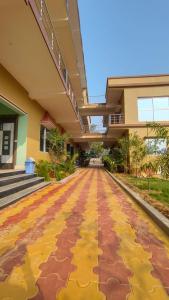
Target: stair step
{"x": 11, "y": 173}
{"x": 15, "y": 178}
{"x": 18, "y": 186}
{"x": 5, "y": 201}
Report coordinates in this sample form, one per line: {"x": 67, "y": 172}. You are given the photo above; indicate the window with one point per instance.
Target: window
{"x": 68, "y": 148}
{"x": 153, "y": 109}
{"x": 67, "y": 6}
{"x": 43, "y": 139}
{"x": 72, "y": 151}
{"x": 156, "y": 146}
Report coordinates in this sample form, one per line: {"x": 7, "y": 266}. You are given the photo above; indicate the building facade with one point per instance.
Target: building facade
{"x": 42, "y": 77}
{"x": 137, "y": 101}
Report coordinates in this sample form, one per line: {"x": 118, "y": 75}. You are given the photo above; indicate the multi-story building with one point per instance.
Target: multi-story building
{"x": 137, "y": 101}
{"x": 42, "y": 76}
{"x": 43, "y": 85}
{"x": 131, "y": 103}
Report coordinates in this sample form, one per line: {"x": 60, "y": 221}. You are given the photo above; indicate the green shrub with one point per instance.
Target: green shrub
{"x": 150, "y": 168}
{"x": 56, "y": 142}
{"x": 43, "y": 169}
{"x": 56, "y": 170}
{"x": 109, "y": 164}
{"x": 69, "y": 164}
{"x": 60, "y": 174}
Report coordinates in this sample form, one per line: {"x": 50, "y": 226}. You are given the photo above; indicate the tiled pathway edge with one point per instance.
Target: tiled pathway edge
{"x": 160, "y": 219}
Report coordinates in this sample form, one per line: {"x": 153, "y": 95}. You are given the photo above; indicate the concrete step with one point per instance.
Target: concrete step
{"x": 18, "y": 186}
{"x": 5, "y": 173}
{"x": 15, "y": 178}
{"x": 5, "y": 201}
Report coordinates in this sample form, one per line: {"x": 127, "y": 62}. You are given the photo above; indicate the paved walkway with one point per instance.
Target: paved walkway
{"x": 82, "y": 240}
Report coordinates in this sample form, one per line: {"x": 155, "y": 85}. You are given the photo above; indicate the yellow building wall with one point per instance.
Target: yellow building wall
{"x": 14, "y": 93}
{"x": 130, "y": 100}
{"x": 142, "y": 132}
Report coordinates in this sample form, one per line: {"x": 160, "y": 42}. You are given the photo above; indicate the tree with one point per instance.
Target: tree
{"x": 161, "y": 133}
{"x": 163, "y": 163}
{"x": 96, "y": 149}
{"x": 56, "y": 142}
{"x": 116, "y": 155}
{"x": 138, "y": 151}
{"x": 124, "y": 144}
{"x": 133, "y": 150}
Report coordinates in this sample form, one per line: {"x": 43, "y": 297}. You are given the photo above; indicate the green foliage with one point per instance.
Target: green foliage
{"x": 109, "y": 164}
{"x": 59, "y": 171}
{"x": 57, "y": 142}
{"x": 150, "y": 168}
{"x": 96, "y": 149}
{"x": 43, "y": 169}
{"x": 69, "y": 164}
{"x": 159, "y": 188}
{"x": 137, "y": 152}
{"x": 132, "y": 147}
{"x": 161, "y": 132}
{"x": 124, "y": 144}
{"x": 56, "y": 170}
{"x": 163, "y": 162}
{"x": 116, "y": 155}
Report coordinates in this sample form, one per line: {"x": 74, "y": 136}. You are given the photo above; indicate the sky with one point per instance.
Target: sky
{"x": 123, "y": 37}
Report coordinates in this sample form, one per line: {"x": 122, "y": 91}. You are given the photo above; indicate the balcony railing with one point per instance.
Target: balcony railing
{"x": 116, "y": 119}
{"x": 41, "y": 14}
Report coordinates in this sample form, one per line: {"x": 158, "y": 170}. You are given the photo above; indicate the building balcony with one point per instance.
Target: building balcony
{"x": 42, "y": 16}
{"x": 115, "y": 119}
{"x": 33, "y": 55}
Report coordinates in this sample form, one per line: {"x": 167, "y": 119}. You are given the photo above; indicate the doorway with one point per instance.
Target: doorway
{"x": 7, "y": 142}
{"x": 13, "y": 136}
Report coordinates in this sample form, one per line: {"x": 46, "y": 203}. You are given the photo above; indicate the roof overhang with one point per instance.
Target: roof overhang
{"x": 116, "y": 85}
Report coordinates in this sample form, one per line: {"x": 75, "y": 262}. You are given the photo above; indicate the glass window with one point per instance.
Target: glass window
{"x": 153, "y": 109}
{"x": 72, "y": 150}
{"x": 161, "y": 103}
{"x": 156, "y": 146}
{"x": 68, "y": 148}
{"x": 145, "y": 104}
{"x": 67, "y": 6}
{"x": 145, "y": 116}
{"x": 43, "y": 139}
{"x": 161, "y": 115}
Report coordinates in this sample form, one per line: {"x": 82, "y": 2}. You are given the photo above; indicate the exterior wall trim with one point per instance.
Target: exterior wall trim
{"x": 139, "y": 76}
{"x": 15, "y": 107}
{"x": 136, "y": 125}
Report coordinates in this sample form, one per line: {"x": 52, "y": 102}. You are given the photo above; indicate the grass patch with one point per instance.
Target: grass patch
{"x": 158, "y": 188}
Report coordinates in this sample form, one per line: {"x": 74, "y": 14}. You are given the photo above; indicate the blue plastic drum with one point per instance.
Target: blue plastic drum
{"x": 30, "y": 166}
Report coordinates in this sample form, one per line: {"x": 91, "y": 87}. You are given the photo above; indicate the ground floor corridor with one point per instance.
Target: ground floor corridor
{"x": 84, "y": 239}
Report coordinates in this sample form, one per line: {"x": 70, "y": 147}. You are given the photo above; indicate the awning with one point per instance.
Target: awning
{"x": 47, "y": 121}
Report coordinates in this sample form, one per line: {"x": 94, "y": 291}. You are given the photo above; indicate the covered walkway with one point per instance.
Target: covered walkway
{"x": 82, "y": 240}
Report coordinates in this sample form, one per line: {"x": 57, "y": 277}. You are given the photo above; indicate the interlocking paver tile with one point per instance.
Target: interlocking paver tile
{"x": 82, "y": 240}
